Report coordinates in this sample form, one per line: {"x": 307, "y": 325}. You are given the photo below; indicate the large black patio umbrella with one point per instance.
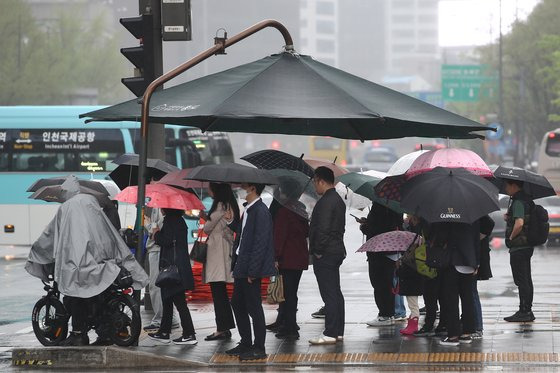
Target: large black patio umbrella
{"x": 535, "y": 185}
{"x": 452, "y": 195}
{"x": 288, "y": 93}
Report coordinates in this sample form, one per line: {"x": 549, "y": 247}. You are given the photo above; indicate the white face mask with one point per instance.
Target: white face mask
{"x": 242, "y": 194}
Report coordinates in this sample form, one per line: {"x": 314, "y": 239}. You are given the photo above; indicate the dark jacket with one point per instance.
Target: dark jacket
{"x": 326, "y": 231}
{"x": 290, "y": 240}
{"x": 463, "y": 242}
{"x": 256, "y": 254}
{"x": 175, "y": 229}
{"x": 486, "y": 227}
{"x": 380, "y": 220}
{"x": 410, "y": 281}
{"x": 521, "y": 241}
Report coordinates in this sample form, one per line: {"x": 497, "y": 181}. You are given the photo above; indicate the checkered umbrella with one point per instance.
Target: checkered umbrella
{"x": 274, "y": 159}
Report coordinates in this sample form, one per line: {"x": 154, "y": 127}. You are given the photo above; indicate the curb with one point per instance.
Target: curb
{"x": 94, "y": 358}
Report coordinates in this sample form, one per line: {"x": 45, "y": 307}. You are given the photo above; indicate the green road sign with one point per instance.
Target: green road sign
{"x": 468, "y": 83}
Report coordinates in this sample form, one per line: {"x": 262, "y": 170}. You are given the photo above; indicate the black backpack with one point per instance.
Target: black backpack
{"x": 537, "y": 232}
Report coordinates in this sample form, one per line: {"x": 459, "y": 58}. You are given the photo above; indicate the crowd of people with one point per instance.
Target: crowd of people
{"x": 244, "y": 247}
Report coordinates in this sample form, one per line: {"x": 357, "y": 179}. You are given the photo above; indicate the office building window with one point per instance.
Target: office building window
{"x": 325, "y": 8}
{"x": 325, "y": 27}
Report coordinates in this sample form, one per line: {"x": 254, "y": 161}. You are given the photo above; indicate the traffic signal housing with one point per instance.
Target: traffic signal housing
{"x": 142, "y": 56}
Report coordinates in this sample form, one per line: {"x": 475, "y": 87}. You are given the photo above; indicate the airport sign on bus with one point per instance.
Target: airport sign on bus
{"x": 468, "y": 83}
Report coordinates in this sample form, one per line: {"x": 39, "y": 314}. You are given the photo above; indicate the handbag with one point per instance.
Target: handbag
{"x": 275, "y": 290}
{"x": 199, "y": 249}
{"x": 169, "y": 276}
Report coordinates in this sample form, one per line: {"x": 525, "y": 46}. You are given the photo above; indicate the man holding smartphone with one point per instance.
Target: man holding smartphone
{"x": 326, "y": 244}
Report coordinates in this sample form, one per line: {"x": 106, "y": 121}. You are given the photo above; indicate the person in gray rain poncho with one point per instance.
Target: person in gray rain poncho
{"x": 84, "y": 252}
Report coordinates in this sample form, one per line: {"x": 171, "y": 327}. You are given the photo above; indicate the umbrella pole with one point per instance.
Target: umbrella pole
{"x": 219, "y": 47}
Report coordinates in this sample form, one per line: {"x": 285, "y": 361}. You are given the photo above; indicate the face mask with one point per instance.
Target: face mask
{"x": 242, "y": 194}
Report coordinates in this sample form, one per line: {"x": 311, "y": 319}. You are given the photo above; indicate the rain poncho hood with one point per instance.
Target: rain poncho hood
{"x": 85, "y": 250}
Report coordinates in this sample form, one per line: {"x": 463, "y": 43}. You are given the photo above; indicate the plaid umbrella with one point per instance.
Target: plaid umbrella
{"x": 272, "y": 159}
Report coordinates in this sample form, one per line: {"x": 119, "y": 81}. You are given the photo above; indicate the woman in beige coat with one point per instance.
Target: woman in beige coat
{"x": 217, "y": 269}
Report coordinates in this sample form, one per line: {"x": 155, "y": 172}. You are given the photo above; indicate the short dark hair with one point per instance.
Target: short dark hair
{"x": 258, "y": 187}
{"x": 519, "y": 183}
{"x": 325, "y": 174}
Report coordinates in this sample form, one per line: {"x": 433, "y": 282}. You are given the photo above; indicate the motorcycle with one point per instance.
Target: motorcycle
{"x": 113, "y": 314}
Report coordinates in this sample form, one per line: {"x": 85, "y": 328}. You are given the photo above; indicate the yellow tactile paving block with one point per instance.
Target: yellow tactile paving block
{"x": 347, "y": 358}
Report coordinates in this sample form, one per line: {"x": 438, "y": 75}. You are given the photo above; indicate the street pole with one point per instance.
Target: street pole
{"x": 156, "y": 138}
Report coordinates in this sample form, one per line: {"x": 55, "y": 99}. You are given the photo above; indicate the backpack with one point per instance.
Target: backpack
{"x": 538, "y": 227}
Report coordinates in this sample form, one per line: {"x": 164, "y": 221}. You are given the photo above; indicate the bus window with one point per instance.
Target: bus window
{"x": 213, "y": 147}
{"x": 62, "y": 150}
{"x": 329, "y": 148}
{"x": 553, "y": 145}
{"x": 170, "y": 154}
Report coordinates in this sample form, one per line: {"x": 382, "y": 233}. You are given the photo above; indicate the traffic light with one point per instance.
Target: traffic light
{"x": 142, "y": 56}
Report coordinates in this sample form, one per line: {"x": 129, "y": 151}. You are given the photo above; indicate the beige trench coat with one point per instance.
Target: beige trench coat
{"x": 220, "y": 242}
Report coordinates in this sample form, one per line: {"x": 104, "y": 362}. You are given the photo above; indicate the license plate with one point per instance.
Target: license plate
{"x": 554, "y": 230}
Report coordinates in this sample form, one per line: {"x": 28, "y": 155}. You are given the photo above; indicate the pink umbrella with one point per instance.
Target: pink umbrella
{"x": 162, "y": 196}
{"x": 450, "y": 158}
{"x": 177, "y": 179}
{"x": 390, "y": 242}
{"x": 336, "y": 169}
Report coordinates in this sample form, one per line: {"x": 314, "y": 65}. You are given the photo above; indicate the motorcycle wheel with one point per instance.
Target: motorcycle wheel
{"x": 50, "y": 321}
{"x": 125, "y": 322}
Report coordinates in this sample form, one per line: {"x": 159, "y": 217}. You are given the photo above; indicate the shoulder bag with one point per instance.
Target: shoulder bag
{"x": 169, "y": 276}
{"x": 199, "y": 249}
{"x": 275, "y": 290}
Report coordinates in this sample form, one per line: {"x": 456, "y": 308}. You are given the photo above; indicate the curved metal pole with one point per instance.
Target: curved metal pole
{"x": 165, "y": 78}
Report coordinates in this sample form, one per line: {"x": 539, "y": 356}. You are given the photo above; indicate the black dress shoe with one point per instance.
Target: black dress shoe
{"x": 253, "y": 354}
{"x": 521, "y": 316}
{"x": 287, "y": 334}
{"x": 274, "y": 326}
{"x": 219, "y": 336}
{"x": 238, "y": 350}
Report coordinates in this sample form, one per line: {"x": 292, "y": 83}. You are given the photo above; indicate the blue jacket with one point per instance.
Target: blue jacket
{"x": 256, "y": 254}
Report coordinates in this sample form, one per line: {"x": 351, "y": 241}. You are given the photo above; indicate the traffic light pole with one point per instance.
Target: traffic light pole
{"x": 156, "y": 142}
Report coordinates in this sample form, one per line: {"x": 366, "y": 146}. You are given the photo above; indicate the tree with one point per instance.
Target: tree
{"x": 45, "y": 63}
{"x": 531, "y": 76}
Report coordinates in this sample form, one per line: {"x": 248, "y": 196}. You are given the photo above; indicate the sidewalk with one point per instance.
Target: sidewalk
{"x": 504, "y": 344}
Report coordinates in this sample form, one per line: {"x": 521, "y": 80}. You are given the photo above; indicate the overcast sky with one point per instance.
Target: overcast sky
{"x": 476, "y": 22}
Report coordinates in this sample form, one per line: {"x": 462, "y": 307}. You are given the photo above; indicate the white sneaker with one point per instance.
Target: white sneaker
{"x": 381, "y": 321}
{"x": 323, "y": 340}
{"x": 400, "y": 318}
{"x": 340, "y": 338}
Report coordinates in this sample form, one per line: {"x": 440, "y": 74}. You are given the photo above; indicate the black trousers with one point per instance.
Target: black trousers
{"x": 246, "y": 301}
{"x": 433, "y": 292}
{"x": 78, "y": 308}
{"x": 458, "y": 285}
{"x": 180, "y": 302}
{"x": 287, "y": 310}
{"x": 381, "y": 271}
{"x": 520, "y": 262}
{"x": 222, "y": 307}
{"x": 327, "y": 272}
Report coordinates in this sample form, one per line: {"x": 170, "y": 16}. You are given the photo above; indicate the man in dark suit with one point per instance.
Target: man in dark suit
{"x": 326, "y": 245}
{"x": 253, "y": 259}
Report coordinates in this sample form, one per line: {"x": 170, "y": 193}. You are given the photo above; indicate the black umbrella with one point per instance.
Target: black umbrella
{"x": 294, "y": 94}
{"x": 66, "y": 190}
{"x": 231, "y": 173}
{"x": 535, "y": 185}
{"x": 126, "y": 174}
{"x": 274, "y": 159}
{"x": 449, "y": 195}
{"x": 91, "y": 184}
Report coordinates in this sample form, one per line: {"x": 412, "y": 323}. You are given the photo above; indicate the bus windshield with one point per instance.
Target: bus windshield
{"x": 553, "y": 146}
{"x": 59, "y": 150}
